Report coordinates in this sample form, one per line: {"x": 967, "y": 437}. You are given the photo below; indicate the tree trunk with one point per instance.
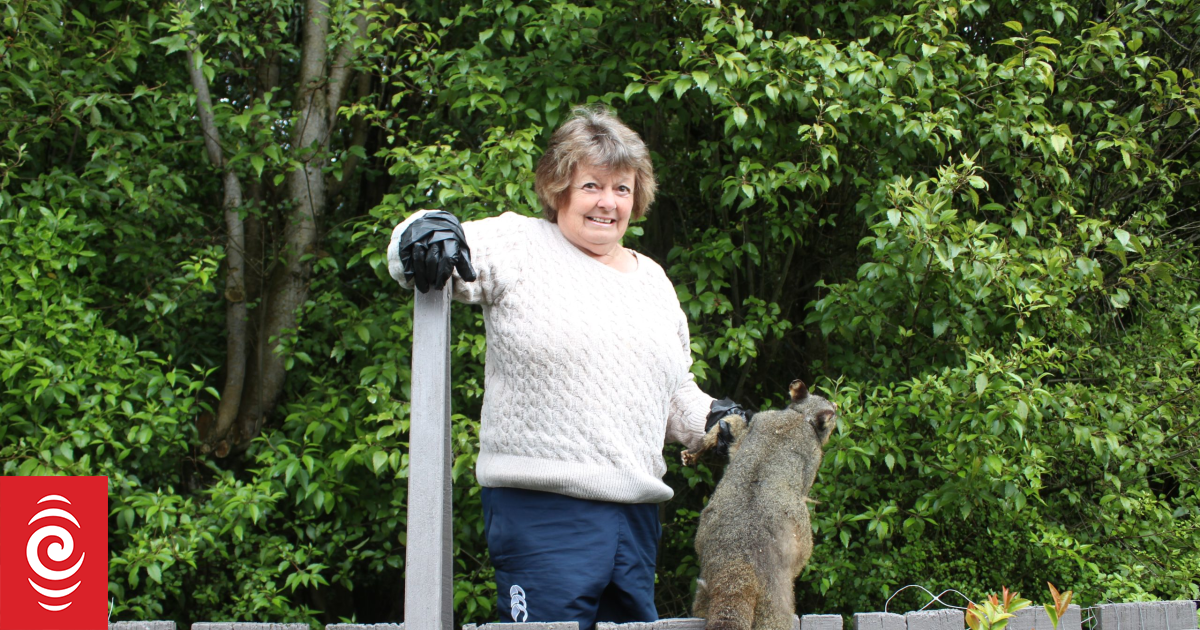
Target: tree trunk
{"x": 255, "y": 372}
{"x": 321, "y": 89}
{"x": 235, "y": 247}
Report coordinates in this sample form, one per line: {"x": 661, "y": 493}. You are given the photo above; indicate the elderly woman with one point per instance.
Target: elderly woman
{"x": 587, "y": 372}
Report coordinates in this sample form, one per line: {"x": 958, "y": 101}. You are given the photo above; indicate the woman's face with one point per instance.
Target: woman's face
{"x": 596, "y": 213}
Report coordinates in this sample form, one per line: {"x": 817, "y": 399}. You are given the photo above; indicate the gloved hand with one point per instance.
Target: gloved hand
{"x": 431, "y": 248}
{"x": 716, "y": 414}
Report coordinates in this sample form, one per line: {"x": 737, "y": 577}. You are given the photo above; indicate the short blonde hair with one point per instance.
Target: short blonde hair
{"x": 593, "y": 135}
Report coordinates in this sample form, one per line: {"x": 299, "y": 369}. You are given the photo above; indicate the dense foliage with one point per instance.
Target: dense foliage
{"x": 972, "y": 223}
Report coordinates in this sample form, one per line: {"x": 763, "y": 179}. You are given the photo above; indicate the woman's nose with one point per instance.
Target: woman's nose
{"x": 607, "y": 198}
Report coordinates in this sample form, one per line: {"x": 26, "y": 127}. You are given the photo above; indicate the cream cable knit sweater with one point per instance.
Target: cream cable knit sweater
{"x": 587, "y": 368}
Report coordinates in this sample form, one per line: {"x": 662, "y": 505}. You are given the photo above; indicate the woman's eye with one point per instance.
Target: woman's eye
{"x": 624, "y": 190}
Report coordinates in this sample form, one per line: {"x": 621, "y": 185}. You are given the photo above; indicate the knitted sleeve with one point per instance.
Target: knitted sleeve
{"x": 498, "y": 245}
{"x": 689, "y": 405}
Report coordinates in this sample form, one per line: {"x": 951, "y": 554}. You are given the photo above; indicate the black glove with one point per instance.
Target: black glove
{"x": 716, "y": 414}
{"x": 431, "y": 248}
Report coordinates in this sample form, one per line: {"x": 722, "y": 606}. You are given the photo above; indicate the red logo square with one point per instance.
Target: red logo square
{"x": 53, "y": 553}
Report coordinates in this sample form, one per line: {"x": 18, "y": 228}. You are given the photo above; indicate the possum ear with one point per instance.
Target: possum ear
{"x": 823, "y": 423}
{"x": 798, "y": 390}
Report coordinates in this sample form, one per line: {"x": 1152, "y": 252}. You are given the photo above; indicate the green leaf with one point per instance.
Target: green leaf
{"x": 994, "y": 463}
{"x": 739, "y": 117}
{"x": 981, "y": 383}
{"x": 682, "y": 84}
{"x": 633, "y": 88}
{"x": 1123, "y": 237}
{"x": 655, "y": 91}
{"x": 1053, "y": 615}
{"x": 1014, "y": 25}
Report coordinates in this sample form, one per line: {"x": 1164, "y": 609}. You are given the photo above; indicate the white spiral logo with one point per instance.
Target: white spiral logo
{"x": 59, "y": 551}
{"x": 518, "y": 603}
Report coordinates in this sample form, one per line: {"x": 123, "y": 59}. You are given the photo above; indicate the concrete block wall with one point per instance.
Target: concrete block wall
{"x": 682, "y": 623}
{"x": 552, "y": 625}
{"x": 879, "y": 621}
{"x": 1176, "y": 615}
{"x": 239, "y": 625}
{"x": 821, "y": 622}
{"x": 942, "y": 619}
{"x": 1035, "y": 618}
{"x": 365, "y": 626}
{"x": 1173, "y": 615}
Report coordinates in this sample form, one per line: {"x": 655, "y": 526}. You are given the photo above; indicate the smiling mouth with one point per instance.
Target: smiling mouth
{"x": 601, "y": 220}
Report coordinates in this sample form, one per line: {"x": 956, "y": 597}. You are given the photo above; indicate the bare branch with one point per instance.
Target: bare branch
{"x": 204, "y": 109}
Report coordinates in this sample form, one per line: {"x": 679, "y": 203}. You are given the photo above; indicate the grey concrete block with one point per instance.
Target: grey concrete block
{"x": 1034, "y": 617}
{"x": 675, "y": 623}
{"x": 879, "y": 621}
{"x": 944, "y": 619}
{"x": 141, "y": 625}
{"x": 636, "y": 625}
{"x": 243, "y": 625}
{"x": 548, "y": 625}
{"x": 1181, "y": 614}
{"x": 680, "y": 623}
{"x": 364, "y": 626}
{"x": 1024, "y": 619}
{"x": 821, "y": 622}
{"x": 1154, "y": 615}
{"x": 924, "y": 620}
{"x": 1072, "y": 620}
{"x": 1118, "y": 617}
{"x": 795, "y": 622}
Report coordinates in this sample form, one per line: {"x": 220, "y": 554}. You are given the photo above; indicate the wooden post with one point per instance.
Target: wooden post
{"x": 429, "y": 580}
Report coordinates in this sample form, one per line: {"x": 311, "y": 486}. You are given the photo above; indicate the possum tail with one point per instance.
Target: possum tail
{"x": 731, "y": 599}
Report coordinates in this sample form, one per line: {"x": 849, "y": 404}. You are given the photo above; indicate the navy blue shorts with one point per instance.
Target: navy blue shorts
{"x": 558, "y": 558}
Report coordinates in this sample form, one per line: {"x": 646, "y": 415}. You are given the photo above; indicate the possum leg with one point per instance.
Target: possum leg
{"x": 777, "y": 604}
{"x": 773, "y": 614}
{"x": 732, "y": 597}
{"x": 737, "y": 426}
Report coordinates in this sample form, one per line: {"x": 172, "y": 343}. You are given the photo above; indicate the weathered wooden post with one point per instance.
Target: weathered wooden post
{"x": 429, "y": 581}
